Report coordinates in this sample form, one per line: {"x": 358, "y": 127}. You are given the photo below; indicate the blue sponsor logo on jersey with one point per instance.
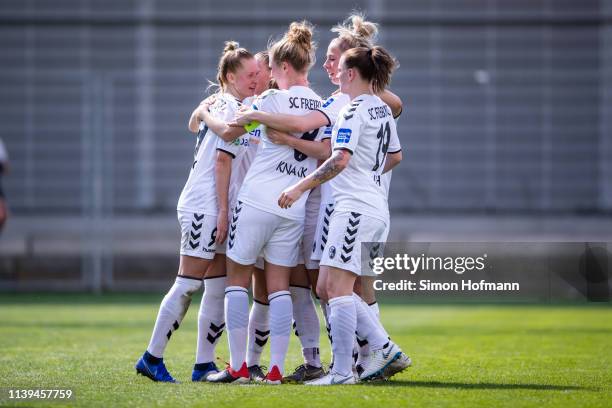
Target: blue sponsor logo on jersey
{"x": 344, "y": 135}
{"x": 328, "y": 102}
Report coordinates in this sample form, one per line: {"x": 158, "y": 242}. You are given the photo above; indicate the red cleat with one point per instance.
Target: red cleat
{"x": 274, "y": 376}
{"x": 231, "y": 376}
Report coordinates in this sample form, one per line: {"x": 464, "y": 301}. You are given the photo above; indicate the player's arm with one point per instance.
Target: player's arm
{"x": 327, "y": 171}
{"x": 223, "y": 172}
{"x": 283, "y": 122}
{"x": 392, "y": 160}
{"x": 218, "y": 126}
{"x": 194, "y": 119}
{"x": 394, "y": 102}
{"x": 320, "y": 150}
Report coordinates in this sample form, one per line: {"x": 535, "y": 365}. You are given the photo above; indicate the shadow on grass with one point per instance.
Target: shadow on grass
{"x": 482, "y": 386}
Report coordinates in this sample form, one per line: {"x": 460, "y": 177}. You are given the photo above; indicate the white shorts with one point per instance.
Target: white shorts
{"x": 198, "y": 233}
{"x": 253, "y": 230}
{"x": 347, "y": 231}
{"x": 325, "y": 212}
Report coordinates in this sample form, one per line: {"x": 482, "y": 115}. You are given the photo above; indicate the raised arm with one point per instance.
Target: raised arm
{"x": 219, "y": 127}
{"x": 320, "y": 150}
{"x": 394, "y": 102}
{"x": 283, "y": 122}
{"x": 194, "y": 120}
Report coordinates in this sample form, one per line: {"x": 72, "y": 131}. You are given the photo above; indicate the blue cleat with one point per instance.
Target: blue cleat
{"x": 153, "y": 368}
{"x": 201, "y": 371}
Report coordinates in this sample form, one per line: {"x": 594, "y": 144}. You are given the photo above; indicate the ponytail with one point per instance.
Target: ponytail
{"x": 375, "y": 65}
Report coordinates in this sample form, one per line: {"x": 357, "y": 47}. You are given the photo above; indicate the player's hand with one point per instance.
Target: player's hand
{"x": 210, "y": 100}
{"x": 289, "y": 196}
{"x": 222, "y": 221}
{"x": 277, "y": 137}
{"x": 243, "y": 116}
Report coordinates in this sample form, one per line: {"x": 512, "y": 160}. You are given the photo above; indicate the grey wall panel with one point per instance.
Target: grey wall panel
{"x": 507, "y": 103}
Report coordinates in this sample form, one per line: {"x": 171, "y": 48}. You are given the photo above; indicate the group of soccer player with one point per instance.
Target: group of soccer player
{"x": 283, "y": 190}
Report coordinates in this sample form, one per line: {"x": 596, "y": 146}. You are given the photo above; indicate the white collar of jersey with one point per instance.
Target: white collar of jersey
{"x": 362, "y": 96}
{"x": 298, "y": 86}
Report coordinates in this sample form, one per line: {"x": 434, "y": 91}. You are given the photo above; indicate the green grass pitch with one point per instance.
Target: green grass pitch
{"x": 469, "y": 355}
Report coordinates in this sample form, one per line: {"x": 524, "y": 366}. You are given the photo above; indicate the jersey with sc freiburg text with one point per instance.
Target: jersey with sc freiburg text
{"x": 365, "y": 128}
{"x": 277, "y": 167}
{"x": 199, "y": 194}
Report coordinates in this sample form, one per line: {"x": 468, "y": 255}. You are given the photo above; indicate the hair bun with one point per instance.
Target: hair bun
{"x": 230, "y": 46}
{"x": 363, "y": 28}
{"x": 300, "y": 33}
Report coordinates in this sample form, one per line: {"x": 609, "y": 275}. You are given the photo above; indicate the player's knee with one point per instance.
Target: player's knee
{"x": 193, "y": 267}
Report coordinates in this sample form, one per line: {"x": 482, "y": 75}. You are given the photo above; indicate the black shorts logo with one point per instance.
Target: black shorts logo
{"x": 332, "y": 252}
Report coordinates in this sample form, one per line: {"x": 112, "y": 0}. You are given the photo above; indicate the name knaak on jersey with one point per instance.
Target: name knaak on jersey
{"x": 379, "y": 112}
{"x": 291, "y": 170}
{"x": 304, "y": 103}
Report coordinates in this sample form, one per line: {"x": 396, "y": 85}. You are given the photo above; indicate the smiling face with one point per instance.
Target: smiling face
{"x": 263, "y": 76}
{"x": 243, "y": 82}
{"x": 332, "y": 58}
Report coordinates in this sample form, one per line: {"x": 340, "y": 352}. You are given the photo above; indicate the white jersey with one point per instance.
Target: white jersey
{"x": 331, "y": 109}
{"x": 199, "y": 194}
{"x": 365, "y": 128}
{"x": 277, "y": 167}
{"x": 241, "y": 164}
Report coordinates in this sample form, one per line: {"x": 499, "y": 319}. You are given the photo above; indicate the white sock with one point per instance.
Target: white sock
{"x": 368, "y": 327}
{"x": 171, "y": 312}
{"x": 374, "y": 307}
{"x": 259, "y": 331}
{"x": 237, "y": 320}
{"x": 375, "y": 315}
{"x": 306, "y": 324}
{"x": 211, "y": 319}
{"x": 281, "y": 311}
{"x": 343, "y": 322}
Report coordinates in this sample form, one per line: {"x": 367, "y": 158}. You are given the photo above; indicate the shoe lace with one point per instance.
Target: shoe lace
{"x": 300, "y": 368}
{"x": 227, "y": 365}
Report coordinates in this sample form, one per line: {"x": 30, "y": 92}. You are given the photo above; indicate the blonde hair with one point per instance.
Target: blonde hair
{"x": 263, "y": 56}
{"x": 296, "y": 47}
{"x": 231, "y": 61}
{"x": 355, "y": 31}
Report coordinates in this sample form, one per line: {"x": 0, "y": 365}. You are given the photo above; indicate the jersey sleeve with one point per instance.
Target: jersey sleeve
{"x": 267, "y": 101}
{"x": 226, "y": 114}
{"x": 347, "y": 131}
{"x": 394, "y": 142}
{"x": 232, "y": 148}
{"x": 331, "y": 109}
